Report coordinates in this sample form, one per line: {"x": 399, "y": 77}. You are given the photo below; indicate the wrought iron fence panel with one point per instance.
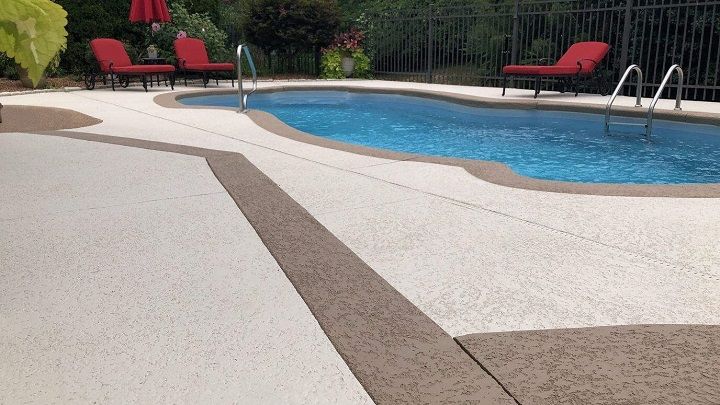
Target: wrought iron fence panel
{"x": 470, "y": 44}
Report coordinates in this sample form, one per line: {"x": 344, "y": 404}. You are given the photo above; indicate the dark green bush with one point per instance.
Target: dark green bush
{"x": 291, "y": 26}
{"x": 194, "y": 26}
{"x": 8, "y": 69}
{"x": 94, "y": 19}
{"x": 109, "y": 18}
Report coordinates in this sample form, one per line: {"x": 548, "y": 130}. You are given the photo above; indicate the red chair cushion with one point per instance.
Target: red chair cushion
{"x": 190, "y": 51}
{"x": 210, "y": 67}
{"x": 588, "y": 54}
{"x": 522, "y": 70}
{"x": 140, "y": 69}
{"x": 558, "y": 70}
{"x": 584, "y": 53}
{"x": 107, "y": 51}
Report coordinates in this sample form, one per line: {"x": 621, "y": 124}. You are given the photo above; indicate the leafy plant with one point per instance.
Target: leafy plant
{"x": 331, "y": 65}
{"x": 88, "y": 20}
{"x": 346, "y": 44}
{"x": 349, "y": 42}
{"x": 362, "y": 70}
{"x": 32, "y": 32}
{"x": 291, "y": 26}
{"x": 193, "y": 25}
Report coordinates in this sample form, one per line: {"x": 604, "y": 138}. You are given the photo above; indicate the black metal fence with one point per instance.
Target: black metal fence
{"x": 470, "y": 44}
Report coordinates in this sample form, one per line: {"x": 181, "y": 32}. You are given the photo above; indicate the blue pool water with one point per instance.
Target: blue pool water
{"x": 541, "y": 144}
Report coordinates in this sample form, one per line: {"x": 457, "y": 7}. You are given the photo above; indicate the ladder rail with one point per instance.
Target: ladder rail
{"x": 243, "y": 49}
{"x": 678, "y": 99}
{"x": 638, "y": 90}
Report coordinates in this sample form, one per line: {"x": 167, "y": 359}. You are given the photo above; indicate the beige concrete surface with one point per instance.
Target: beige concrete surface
{"x": 634, "y": 257}
{"x": 130, "y": 276}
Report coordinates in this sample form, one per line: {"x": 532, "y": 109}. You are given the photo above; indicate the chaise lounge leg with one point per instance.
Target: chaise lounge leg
{"x": 232, "y": 82}
{"x": 537, "y": 86}
{"x": 112, "y": 80}
{"x": 577, "y": 85}
{"x": 144, "y": 82}
{"x": 206, "y": 79}
{"x": 172, "y": 80}
{"x": 504, "y": 83}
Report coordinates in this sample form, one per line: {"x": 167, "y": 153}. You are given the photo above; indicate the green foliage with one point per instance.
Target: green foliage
{"x": 7, "y": 67}
{"x": 195, "y": 26}
{"x": 90, "y": 19}
{"x": 291, "y": 26}
{"x": 231, "y": 19}
{"x": 211, "y": 8}
{"x": 362, "y": 65}
{"x": 32, "y": 32}
{"x": 331, "y": 64}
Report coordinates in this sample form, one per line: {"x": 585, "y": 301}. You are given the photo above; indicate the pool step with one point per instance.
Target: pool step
{"x": 630, "y": 124}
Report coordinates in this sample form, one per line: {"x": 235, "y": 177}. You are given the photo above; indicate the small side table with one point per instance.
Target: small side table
{"x": 155, "y": 61}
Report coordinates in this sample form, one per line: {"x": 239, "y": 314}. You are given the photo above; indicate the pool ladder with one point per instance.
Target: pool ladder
{"x": 638, "y": 103}
{"x": 243, "y": 49}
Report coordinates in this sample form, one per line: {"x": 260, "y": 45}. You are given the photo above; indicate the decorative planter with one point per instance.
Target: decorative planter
{"x": 348, "y": 65}
{"x": 152, "y": 52}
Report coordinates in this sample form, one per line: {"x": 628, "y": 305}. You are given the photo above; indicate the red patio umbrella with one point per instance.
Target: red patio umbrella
{"x": 148, "y": 11}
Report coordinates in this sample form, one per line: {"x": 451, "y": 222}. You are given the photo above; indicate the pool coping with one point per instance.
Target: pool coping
{"x": 493, "y": 172}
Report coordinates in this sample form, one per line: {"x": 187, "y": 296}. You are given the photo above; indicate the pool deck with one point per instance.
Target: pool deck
{"x": 153, "y": 254}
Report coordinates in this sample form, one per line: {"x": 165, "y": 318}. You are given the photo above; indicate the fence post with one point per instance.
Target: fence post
{"x": 430, "y": 46}
{"x": 626, "y": 36}
{"x": 515, "y": 34}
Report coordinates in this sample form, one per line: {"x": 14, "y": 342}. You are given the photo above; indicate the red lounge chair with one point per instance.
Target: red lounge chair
{"x": 580, "y": 60}
{"x": 192, "y": 57}
{"x": 114, "y": 60}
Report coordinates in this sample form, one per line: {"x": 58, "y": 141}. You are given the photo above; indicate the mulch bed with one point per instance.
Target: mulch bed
{"x": 7, "y": 85}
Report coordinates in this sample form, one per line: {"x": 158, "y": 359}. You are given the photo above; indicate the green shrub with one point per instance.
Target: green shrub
{"x": 194, "y": 26}
{"x": 346, "y": 44}
{"x": 88, "y": 20}
{"x": 8, "y": 68}
{"x": 362, "y": 70}
{"x": 290, "y": 26}
{"x": 211, "y": 8}
{"x": 331, "y": 65}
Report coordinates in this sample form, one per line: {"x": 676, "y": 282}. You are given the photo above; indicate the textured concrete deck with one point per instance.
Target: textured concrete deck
{"x": 471, "y": 255}
{"x": 130, "y": 276}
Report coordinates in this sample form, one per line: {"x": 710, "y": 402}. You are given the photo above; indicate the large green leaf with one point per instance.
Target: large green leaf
{"x": 32, "y": 32}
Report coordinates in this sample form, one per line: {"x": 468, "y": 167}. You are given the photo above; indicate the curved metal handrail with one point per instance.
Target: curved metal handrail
{"x": 678, "y": 98}
{"x": 638, "y": 90}
{"x": 243, "y": 49}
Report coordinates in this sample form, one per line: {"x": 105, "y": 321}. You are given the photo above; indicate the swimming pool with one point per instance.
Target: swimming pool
{"x": 541, "y": 144}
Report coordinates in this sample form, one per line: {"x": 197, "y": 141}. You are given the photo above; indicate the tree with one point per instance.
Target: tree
{"x": 291, "y": 26}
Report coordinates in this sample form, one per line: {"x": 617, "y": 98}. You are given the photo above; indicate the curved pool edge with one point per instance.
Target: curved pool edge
{"x": 492, "y": 172}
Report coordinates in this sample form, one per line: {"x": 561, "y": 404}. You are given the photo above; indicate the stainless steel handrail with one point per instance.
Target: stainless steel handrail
{"x": 638, "y": 90}
{"x": 243, "y": 49}
{"x": 678, "y": 98}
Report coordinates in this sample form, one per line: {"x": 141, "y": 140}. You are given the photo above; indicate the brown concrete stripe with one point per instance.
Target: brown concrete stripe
{"x": 641, "y": 364}
{"x": 24, "y": 118}
{"x": 397, "y": 352}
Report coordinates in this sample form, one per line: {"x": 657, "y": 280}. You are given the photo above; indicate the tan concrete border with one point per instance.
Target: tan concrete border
{"x": 493, "y": 172}
{"x": 28, "y": 118}
{"x": 397, "y": 353}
